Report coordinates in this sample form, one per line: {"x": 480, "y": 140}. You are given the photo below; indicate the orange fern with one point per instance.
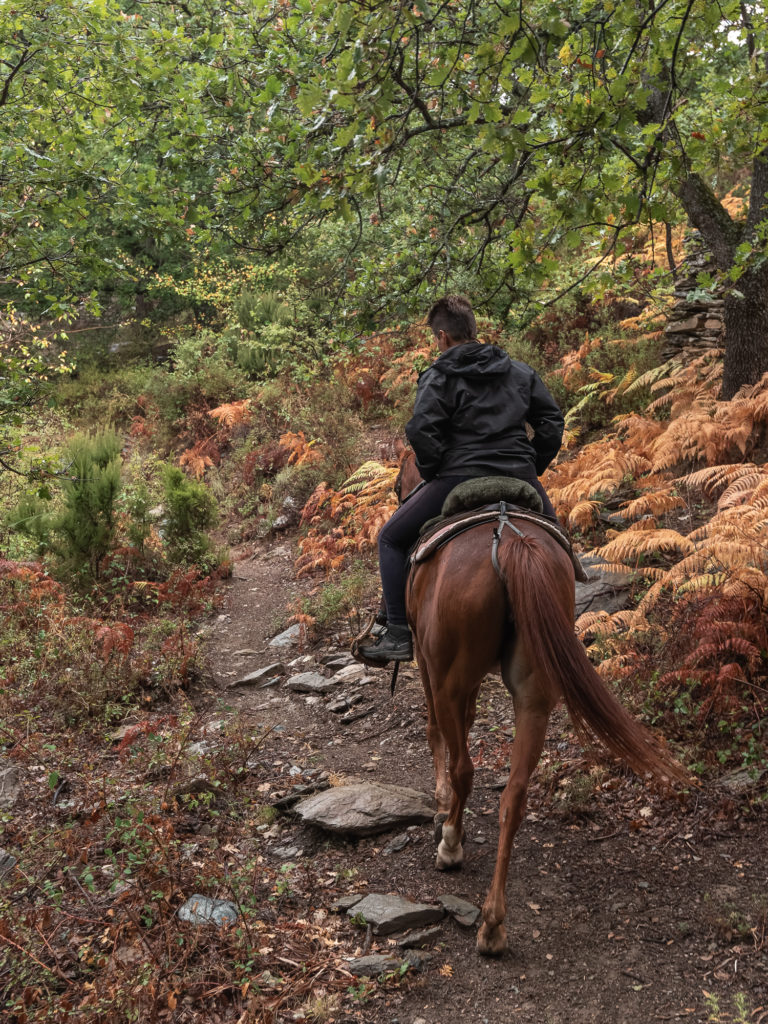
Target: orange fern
{"x": 231, "y": 414}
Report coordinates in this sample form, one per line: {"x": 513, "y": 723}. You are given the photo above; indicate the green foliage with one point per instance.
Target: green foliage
{"x": 320, "y": 406}
{"x": 275, "y": 331}
{"x": 29, "y": 366}
{"x": 603, "y": 387}
{"x": 190, "y": 510}
{"x": 255, "y": 311}
{"x": 82, "y": 529}
{"x": 340, "y": 597}
{"x": 107, "y": 148}
{"x": 742, "y": 1012}
{"x": 138, "y": 505}
{"x": 201, "y": 375}
{"x": 96, "y": 395}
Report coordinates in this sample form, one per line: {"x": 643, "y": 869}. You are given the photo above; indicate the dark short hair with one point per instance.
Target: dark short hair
{"x": 453, "y": 314}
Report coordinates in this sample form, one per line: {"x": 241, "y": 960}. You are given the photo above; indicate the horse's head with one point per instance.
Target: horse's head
{"x": 409, "y": 477}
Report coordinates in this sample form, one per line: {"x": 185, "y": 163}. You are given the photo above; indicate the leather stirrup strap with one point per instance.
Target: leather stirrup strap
{"x": 395, "y": 670}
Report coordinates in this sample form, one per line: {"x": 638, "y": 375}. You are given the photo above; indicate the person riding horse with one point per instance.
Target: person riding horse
{"x": 469, "y": 420}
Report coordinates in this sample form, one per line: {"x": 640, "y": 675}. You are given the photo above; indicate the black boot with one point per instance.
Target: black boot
{"x": 394, "y": 645}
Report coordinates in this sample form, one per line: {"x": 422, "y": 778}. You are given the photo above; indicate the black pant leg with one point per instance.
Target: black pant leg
{"x": 400, "y": 533}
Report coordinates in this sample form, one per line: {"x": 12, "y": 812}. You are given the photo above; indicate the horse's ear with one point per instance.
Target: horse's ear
{"x": 399, "y": 448}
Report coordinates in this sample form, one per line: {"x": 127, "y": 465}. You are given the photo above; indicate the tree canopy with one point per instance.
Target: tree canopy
{"x": 505, "y": 149}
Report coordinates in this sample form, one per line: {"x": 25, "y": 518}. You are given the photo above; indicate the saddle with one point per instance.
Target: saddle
{"x": 488, "y": 500}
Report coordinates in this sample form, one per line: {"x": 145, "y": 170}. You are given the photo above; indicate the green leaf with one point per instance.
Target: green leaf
{"x": 309, "y": 99}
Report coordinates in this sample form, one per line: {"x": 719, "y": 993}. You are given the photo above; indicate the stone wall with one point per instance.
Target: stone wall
{"x": 693, "y": 326}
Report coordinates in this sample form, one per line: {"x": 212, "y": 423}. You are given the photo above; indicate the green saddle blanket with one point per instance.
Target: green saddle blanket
{"x": 485, "y": 490}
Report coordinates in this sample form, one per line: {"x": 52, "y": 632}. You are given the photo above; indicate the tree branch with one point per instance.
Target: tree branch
{"x": 25, "y": 58}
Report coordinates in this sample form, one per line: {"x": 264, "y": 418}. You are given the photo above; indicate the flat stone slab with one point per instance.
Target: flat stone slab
{"x": 351, "y": 673}
{"x": 464, "y": 912}
{"x": 374, "y": 965}
{"x": 396, "y": 844}
{"x": 343, "y": 903}
{"x": 344, "y": 703}
{"x": 741, "y": 780}
{"x": 365, "y": 809}
{"x": 261, "y": 675}
{"x": 357, "y": 713}
{"x": 284, "y": 803}
{"x": 10, "y": 785}
{"x": 288, "y": 638}
{"x": 204, "y": 910}
{"x": 337, "y": 660}
{"x": 691, "y": 324}
{"x": 286, "y": 852}
{"x": 420, "y": 938}
{"x": 387, "y": 914}
{"x": 7, "y": 862}
{"x": 311, "y": 682}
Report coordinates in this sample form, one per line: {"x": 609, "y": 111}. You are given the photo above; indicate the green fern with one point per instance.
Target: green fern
{"x": 364, "y": 475}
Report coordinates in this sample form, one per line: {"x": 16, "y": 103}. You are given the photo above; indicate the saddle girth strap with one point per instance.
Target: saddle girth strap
{"x": 503, "y": 521}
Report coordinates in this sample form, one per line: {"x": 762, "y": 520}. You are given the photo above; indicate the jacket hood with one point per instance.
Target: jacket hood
{"x": 473, "y": 360}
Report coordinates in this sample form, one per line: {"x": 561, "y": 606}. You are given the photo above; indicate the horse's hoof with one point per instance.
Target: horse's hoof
{"x": 492, "y": 941}
{"x": 448, "y": 865}
{"x": 449, "y": 859}
{"x": 439, "y": 818}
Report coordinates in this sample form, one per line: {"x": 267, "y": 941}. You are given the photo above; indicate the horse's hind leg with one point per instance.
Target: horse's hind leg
{"x": 532, "y": 709}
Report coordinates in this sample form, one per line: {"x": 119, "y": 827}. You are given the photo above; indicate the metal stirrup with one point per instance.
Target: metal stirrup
{"x": 503, "y": 521}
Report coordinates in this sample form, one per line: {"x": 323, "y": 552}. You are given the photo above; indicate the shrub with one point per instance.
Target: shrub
{"x": 82, "y": 531}
{"x": 190, "y": 510}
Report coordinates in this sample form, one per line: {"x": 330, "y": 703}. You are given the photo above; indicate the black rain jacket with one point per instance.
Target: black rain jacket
{"x": 471, "y": 408}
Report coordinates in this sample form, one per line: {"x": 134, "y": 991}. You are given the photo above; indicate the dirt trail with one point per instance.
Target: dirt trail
{"x": 624, "y": 907}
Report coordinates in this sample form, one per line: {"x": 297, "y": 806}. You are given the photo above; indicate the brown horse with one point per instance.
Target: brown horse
{"x": 468, "y": 619}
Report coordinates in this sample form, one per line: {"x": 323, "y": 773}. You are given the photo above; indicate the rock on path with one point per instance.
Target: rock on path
{"x": 389, "y": 914}
{"x": 365, "y": 808}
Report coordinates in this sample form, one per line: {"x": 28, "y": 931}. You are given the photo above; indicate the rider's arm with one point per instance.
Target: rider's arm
{"x": 428, "y": 428}
{"x": 547, "y": 421}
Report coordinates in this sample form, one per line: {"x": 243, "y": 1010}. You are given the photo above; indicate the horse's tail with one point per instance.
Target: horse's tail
{"x": 533, "y": 579}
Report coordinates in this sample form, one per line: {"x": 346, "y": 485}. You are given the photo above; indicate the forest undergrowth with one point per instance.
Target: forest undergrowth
{"x": 101, "y": 657}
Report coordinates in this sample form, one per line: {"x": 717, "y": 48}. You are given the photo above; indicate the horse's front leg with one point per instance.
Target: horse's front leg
{"x": 455, "y": 714}
{"x": 437, "y": 745}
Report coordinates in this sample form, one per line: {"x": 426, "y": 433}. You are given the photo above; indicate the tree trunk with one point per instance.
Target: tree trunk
{"x": 746, "y": 332}
{"x": 746, "y": 314}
